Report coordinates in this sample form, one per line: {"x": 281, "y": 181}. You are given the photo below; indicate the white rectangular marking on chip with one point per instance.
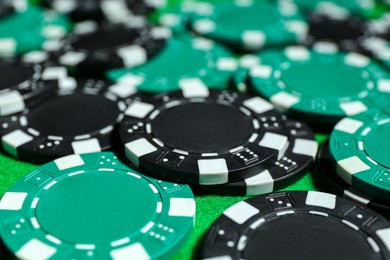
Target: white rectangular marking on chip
{"x": 12, "y": 200}
{"x": 15, "y": 139}
{"x": 11, "y": 102}
{"x": 321, "y": 199}
{"x": 35, "y": 223}
{"x": 258, "y": 105}
{"x": 353, "y": 108}
{"x": 193, "y": 87}
{"x": 305, "y": 147}
{"x": 53, "y": 239}
{"x": 349, "y": 166}
{"x": 35, "y": 250}
{"x": 72, "y": 58}
{"x": 284, "y": 100}
{"x": 373, "y": 244}
{"x": 318, "y": 213}
{"x": 356, "y": 60}
{"x": 153, "y": 188}
{"x": 357, "y": 196}
{"x": 139, "y": 109}
{"x": 350, "y": 224}
{"x": 147, "y": 227}
{"x": 227, "y": 64}
{"x": 284, "y": 213}
{"x": 384, "y": 85}
{"x": 134, "y": 251}
{"x": 137, "y": 148}
{"x": 222, "y": 257}
{"x": 132, "y": 55}
{"x": 384, "y": 234}
{"x": 261, "y": 71}
{"x": 325, "y": 47}
{"x": 85, "y": 246}
{"x": 159, "y": 207}
{"x": 274, "y": 141}
{"x": 348, "y": 125}
{"x": 120, "y": 242}
{"x": 48, "y": 186}
{"x": 53, "y": 73}
{"x": 253, "y": 39}
{"x": 202, "y": 44}
{"x": 257, "y": 223}
{"x": 123, "y": 89}
{"x": 7, "y": 46}
{"x": 181, "y": 207}
{"x": 241, "y": 212}
{"x": 242, "y": 243}
{"x": 213, "y": 171}
{"x": 297, "y": 53}
{"x": 69, "y": 161}
{"x": 261, "y": 183}
{"x": 86, "y": 146}
{"x": 34, "y": 203}
{"x": 204, "y": 26}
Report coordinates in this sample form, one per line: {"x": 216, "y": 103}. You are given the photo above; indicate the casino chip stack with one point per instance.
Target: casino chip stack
{"x": 80, "y": 118}
{"x": 94, "y": 206}
{"x": 359, "y": 148}
{"x": 329, "y": 180}
{"x": 298, "y": 225}
{"x": 306, "y": 83}
{"x": 29, "y": 30}
{"x": 211, "y": 65}
{"x": 202, "y": 136}
{"x": 91, "y": 49}
{"x": 266, "y": 24}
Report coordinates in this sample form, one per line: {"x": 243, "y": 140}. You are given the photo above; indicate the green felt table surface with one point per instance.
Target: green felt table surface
{"x": 209, "y": 207}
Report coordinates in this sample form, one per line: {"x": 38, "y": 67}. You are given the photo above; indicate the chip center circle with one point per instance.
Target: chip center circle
{"x": 202, "y": 127}
{"x": 105, "y": 39}
{"x": 97, "y": 207}
{"x": 314, "y": 236}
{"x": 377, "y": 144}
{"x": 75, "y": 114}
{"x": 12, "y": 75}
{"x": 323, "y": 80}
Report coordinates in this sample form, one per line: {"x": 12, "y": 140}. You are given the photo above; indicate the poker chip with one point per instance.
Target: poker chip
{"x": 265, "y": 24}
{"x": 211, "y": 65}
{"x": 27, "y": 81}
{"x": 331, "y": 181}
{"x": 347, "y": 32}
{"x": 99, "y": 10}
{"x": 92, "y": 49}
{"x": 345, "y": 83}
{"x": 298, "y": 225}
{"x": 25, "y": 31}
{"x": 203, "y": 136}
{"x": 358, "y": 145}
{"x": 296, "y": 161}
{"x": 357, "y": 7}
{"x": 80, "y": 118}
{"x": 83, "y": 206}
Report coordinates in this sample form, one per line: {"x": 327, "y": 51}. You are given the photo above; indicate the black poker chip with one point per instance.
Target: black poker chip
{"x": 27, "y": 80}
{"x": 100, "y": 10}
{"x": 298, "y": 225}
{"x": 92, "y": 48}
{"x": 330, "y": 181}
{"x": 203, "y": 136}
{"x": 347, "y": 33}
{"x": 295, "y": 162}
{"x": 81, "y": 118}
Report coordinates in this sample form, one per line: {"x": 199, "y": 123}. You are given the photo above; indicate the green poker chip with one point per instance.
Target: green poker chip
{"x": 252, "y": 25}
{"x": 321, "y": 85}
{"x": 360, "y": 146}
{"x": 185, "y": 61}
{"x": 94, "y": 206}
{"x": 357, "y": 7}
{"x": 22, "y": 32}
